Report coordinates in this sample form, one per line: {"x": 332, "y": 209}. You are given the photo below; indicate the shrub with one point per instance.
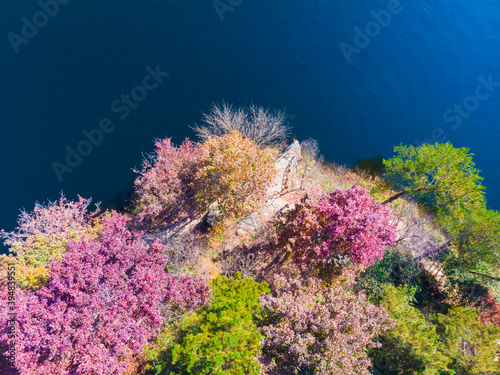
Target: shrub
{"x": 347, "y": 222}
{"x": 220, "y": 338}
{"x": 183, "y": 253}
{"x": 236, "y": 175}
{"x": 99, "y": 307}
{"x": 310, "y": 154}
{"x": 262, "y": 126}
{"x": 42, "y": 236}
{"x": 311, "y": 328}
{"x": 164, "y": 187}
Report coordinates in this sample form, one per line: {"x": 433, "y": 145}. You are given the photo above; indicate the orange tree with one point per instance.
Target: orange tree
{"x": 236, "y": 175}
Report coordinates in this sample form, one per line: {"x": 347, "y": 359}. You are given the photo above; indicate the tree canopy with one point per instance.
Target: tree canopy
{"x": 440, "y": 175}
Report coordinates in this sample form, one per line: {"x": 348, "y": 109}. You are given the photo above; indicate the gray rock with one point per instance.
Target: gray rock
{"x": 249, "y": 223}
{"x": 212, "y": 217}
{"x": 294, "y": 149}
{"x": 287, "y": 178}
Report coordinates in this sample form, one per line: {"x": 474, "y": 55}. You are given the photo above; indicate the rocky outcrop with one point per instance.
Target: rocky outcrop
{"x": 286, "y": 179}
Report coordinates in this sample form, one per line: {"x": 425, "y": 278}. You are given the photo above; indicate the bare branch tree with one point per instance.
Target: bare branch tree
{"x": 183, "y": 253}
{"x": 263, "y": 126}
{"x": 240, "y": 260}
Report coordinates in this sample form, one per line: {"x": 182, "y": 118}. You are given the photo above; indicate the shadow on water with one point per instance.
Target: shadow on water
{"x": 374, "y": 166}
{"x": 122, "y": 200}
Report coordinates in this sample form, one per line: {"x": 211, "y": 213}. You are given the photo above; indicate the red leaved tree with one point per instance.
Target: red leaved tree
{"x": 347, "y": 222}
{"x": 164, "y": 187}
{"x": 489, "y": 309}
{"x": 99, "y": 307}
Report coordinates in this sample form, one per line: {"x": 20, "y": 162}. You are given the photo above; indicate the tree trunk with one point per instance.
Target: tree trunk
{"x": 403, "y": 193}
{"x": 484, "y": 275}
{"x": 394, "y": 197}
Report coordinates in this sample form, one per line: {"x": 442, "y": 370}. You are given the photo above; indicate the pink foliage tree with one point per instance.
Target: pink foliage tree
{"x": 186, "y": 291}
{"x": 43, "y": 234}
{"x": 347, "y": 222}
{"x": 99, "y": 307}
{"x": 50, "y": 219}
{"x": 312, "y": 328}
{"x": 164, "y": 186}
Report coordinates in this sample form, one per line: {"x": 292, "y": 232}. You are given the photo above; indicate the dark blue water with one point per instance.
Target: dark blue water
{"x": 280, "y": 53}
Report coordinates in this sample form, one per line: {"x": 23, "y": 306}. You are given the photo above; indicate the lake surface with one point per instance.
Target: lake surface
{"x": 358, "y": 76}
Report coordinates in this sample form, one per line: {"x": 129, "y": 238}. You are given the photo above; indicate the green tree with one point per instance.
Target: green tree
{"x": 445, "y": 179}
{"x": 412, "y": 347}
{"x": 440, "y": 175}
{"x": 470, "y": 344}
{"x": 394, "y": 268}
{"x": 476, "y": 241}
{"x": 222, "y": 337}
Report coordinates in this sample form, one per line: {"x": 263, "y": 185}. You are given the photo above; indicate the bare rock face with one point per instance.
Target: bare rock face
{"x": 249, "y": 223}
{"x": 287, "y": 178}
